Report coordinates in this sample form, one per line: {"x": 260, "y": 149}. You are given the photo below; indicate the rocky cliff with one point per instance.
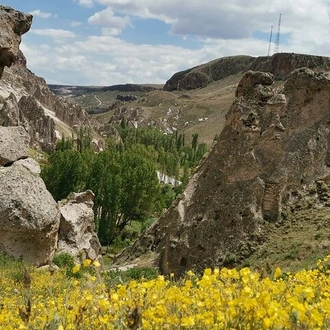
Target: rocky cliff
{"x": 280, "y": 65}
{"x": 25, "y": 98}
{"x": 275, "y": 143}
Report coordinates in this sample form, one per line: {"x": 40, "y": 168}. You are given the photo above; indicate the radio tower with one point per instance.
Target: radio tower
{"x": 270, "y": 39}
{"x": 278, "y": 34}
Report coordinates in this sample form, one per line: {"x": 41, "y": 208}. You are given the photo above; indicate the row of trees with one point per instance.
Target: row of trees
{"x": 123, "y": 176}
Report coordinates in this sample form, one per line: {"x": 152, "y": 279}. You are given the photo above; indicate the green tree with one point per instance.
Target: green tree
{"x": 84, "y": 138}
{"x": 66, "y": 172}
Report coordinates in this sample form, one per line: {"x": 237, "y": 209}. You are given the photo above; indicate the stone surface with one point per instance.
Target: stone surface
{"x": 77, "y": 228}
{"x": 252, "y": 79}
{"x": 30, "y": 164}
{"x": 12, "y": 24}
{"x": 29, "y": 216}
{"x": 14, "y": 144}
{"x": 274, "y": 144}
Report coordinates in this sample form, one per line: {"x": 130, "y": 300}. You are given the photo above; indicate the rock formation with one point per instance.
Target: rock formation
{"x": 280, "y": 65}
{"x": 29, "y": 216}
{"x": 14, "y": 145}
{"x": 77, "y": 228}
{"x": 32, "y": 225}
{"x": 274, "y": 144}
{"x": 25, "y": 99}
{"x": 13, "y": 24}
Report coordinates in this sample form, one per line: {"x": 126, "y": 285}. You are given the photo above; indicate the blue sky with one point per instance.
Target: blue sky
{"x": 107, "y": 42}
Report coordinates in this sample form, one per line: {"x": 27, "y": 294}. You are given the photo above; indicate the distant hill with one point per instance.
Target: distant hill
{"x": 280, "y": 64}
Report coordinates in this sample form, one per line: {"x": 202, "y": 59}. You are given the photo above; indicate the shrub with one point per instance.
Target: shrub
{"x": 64, "y": 260}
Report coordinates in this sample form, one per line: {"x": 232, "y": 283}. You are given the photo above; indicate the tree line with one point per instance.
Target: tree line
{"x": 123, "y": 176}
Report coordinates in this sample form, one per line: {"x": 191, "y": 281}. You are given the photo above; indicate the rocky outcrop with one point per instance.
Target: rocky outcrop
{"x": 32, "y": 225}
{"x": 252, "y": 79}
{"x": 77, "y": 228}
{"x": 280, "y": 65}
{"x": 31, "y": 115}
{"x": 14, "y": 145}
{"x": 275, "y": 143}
{"x": 12, "y": 24}
{"x": 25, "y": 98}
{"x": 29, "y": 216}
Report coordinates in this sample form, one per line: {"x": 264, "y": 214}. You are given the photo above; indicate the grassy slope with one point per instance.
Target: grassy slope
{"x": 299, "y": 239}
{"x": 212, "y": 102}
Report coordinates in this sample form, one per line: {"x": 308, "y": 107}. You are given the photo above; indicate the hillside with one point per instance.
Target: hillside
{"x": 192, "y": 101}
{"x": 199, "y": 111}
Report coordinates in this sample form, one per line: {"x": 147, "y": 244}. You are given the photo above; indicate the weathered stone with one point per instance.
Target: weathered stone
{"x": 29, "y": 216}
{"x": 41, "y": 127}
{"x": 12, "y": 24}
{"x": 268, "y": 149}
{"x": 14, "y": 144}
{"x": 30, "y": 103}
{"x": 76, "y": 234}
{"x": 30, "y": 164}
{"x": 252, "y": 79}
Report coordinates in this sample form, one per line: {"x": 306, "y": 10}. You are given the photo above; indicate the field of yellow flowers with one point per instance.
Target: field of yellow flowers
{"x": 219, "y": 299}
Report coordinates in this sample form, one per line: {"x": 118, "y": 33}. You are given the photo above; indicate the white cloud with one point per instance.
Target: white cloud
{"x": 225, "y": 19}
{"x": 113, "y": 24}
{"x": 55, "y": 34}
{"x": 40, "y": 14}
{"x": 222, "y": 28}
{"x": 107, "y": 60}
{"x": 75, "y": 23}
{"x": 85, "y": 3}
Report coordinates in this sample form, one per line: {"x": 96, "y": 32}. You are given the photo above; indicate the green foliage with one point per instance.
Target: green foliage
{"x": 64, "y": 260}
{"x": 66, "y": 171}
{"x": 169, "y": 152}
{"x": 115, "y": 277}
{"x": 123, "y": 177}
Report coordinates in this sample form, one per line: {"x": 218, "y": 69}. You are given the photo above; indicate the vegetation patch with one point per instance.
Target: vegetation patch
{"x": 141, "y": 299}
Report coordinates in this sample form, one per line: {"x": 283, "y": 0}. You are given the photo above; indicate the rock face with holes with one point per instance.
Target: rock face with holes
{"x": 275, "y": 143}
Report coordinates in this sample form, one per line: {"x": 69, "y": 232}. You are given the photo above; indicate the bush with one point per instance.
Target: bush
{"x": 64, "y": 260}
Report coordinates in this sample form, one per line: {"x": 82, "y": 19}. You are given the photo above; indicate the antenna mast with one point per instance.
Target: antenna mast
{"x": 270, "y": 39}
{"x": 278, "y": 34}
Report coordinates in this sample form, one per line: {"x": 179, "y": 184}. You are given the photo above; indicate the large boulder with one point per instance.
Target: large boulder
{"x": 14, "y": 144}
{"x": 77, "y": 227}
{"x": 29, "y": 216}
{"x": 12, "y": 25}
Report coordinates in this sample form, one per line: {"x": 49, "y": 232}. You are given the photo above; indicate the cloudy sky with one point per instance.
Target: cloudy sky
{"x": 107, "y": 42}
